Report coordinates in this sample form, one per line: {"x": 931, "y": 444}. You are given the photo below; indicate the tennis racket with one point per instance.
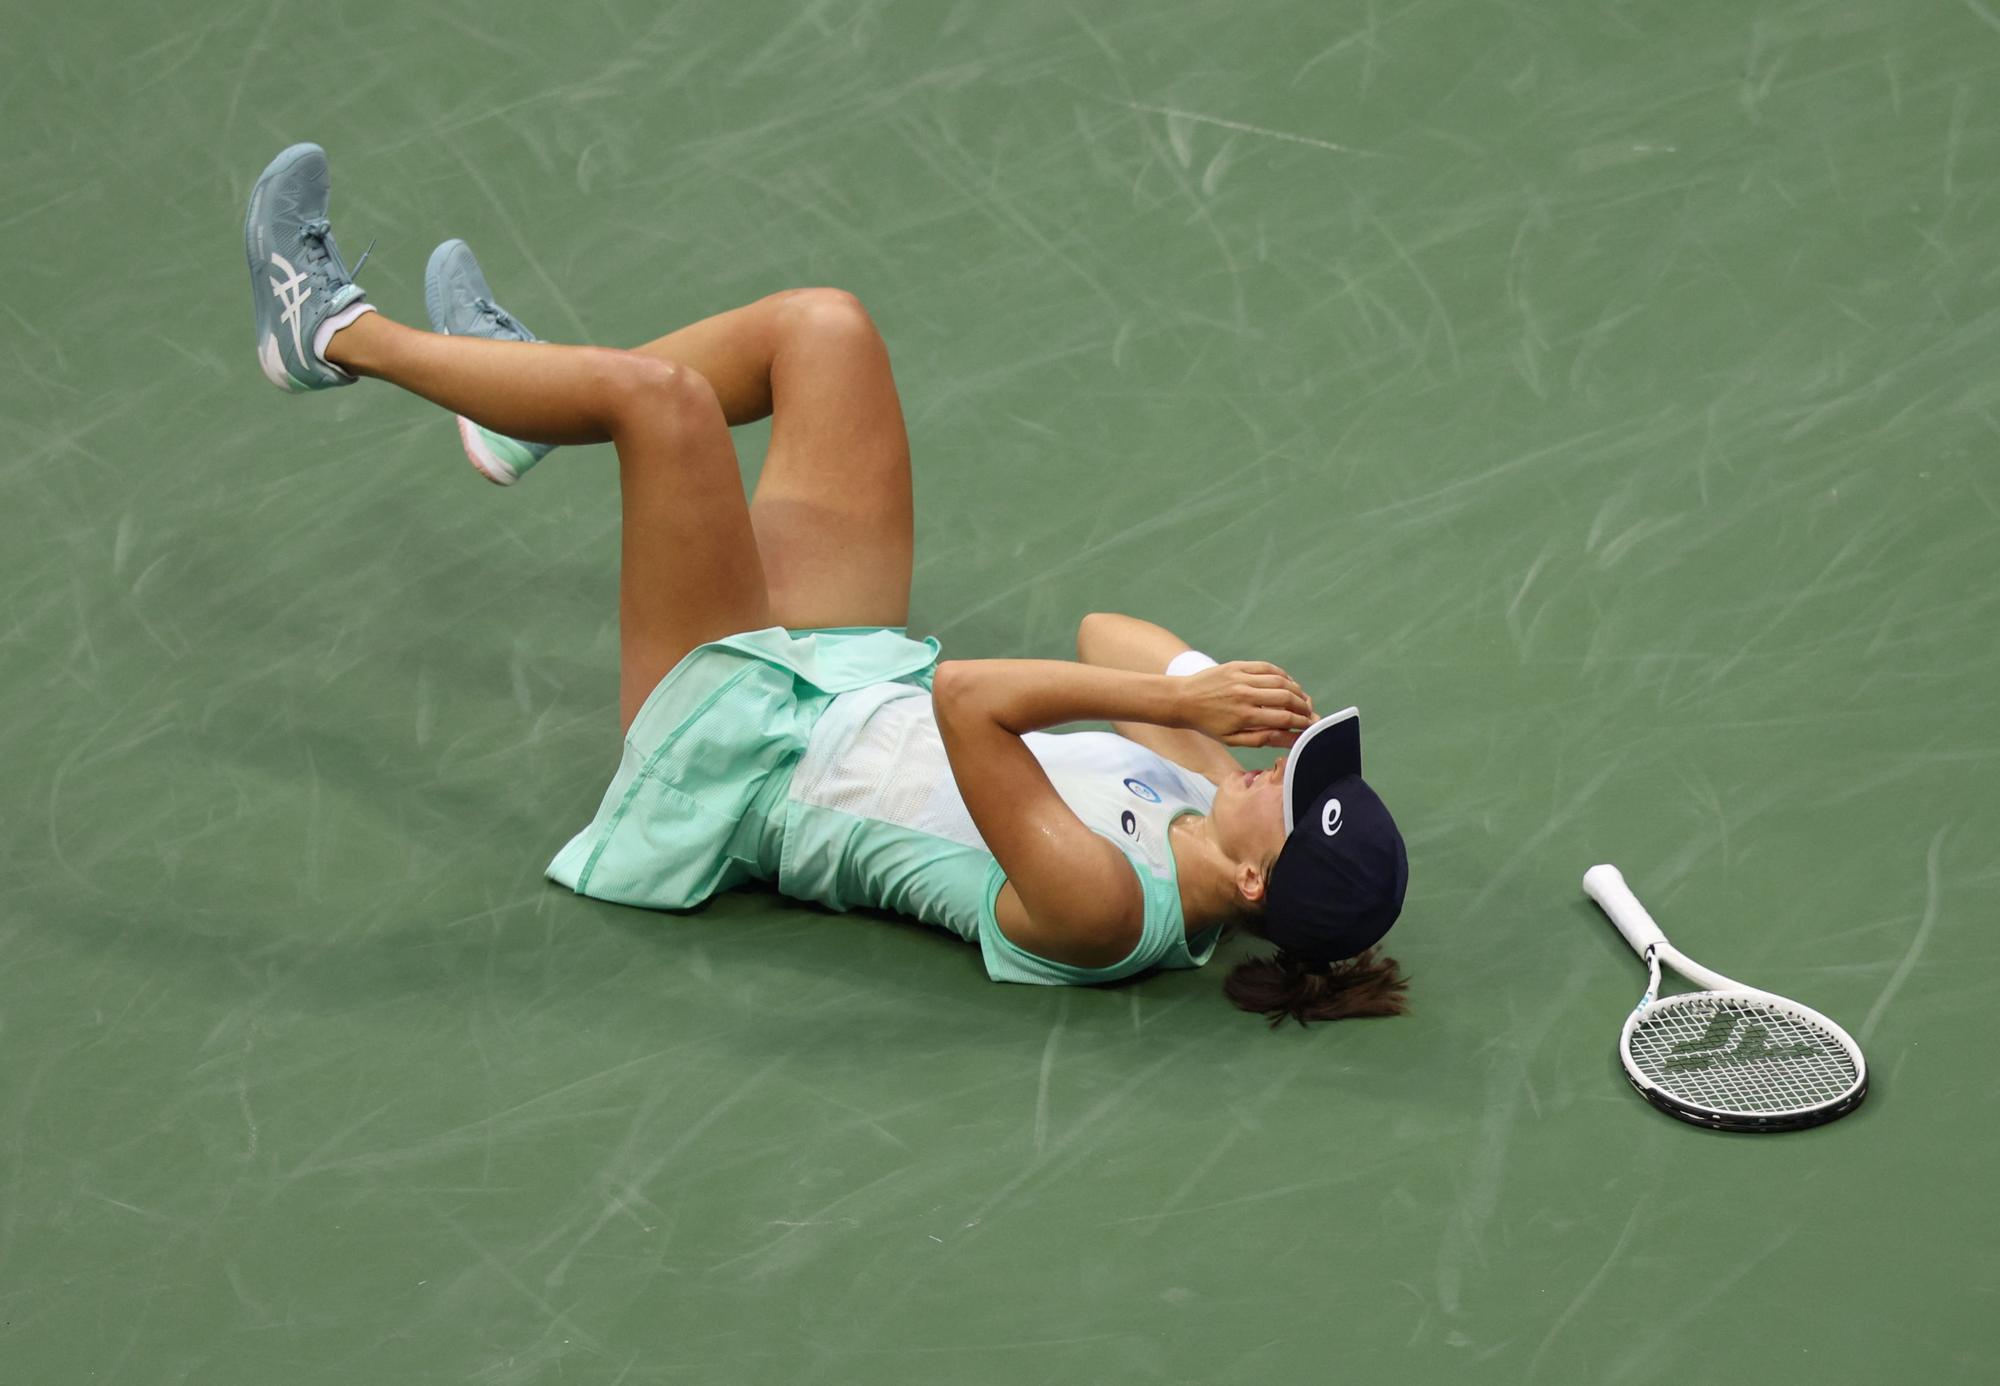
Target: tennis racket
{"x": 1731, "y": 1057}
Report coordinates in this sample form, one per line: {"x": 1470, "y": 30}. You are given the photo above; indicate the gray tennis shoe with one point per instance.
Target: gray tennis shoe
{"x": 300, "y": 288}
{"x": 461, "y": 305}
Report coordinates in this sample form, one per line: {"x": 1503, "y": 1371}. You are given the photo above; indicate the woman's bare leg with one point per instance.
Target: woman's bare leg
{"x": 733, "y": 351}
{"x": 688, "y": 569}
{"x": 833, "y": 509}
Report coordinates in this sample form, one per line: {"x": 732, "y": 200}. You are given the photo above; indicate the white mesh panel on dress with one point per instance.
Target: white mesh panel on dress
{"x": 876, "y": 754}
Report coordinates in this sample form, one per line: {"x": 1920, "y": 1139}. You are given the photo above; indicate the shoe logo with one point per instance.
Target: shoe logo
{"x": 292, "y": 298}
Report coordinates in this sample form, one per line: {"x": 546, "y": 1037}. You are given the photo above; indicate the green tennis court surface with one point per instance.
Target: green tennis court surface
{"x": 1603, "y": 398}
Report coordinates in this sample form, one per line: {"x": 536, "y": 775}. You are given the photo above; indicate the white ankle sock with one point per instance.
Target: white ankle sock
{"x": 346, "y": 316}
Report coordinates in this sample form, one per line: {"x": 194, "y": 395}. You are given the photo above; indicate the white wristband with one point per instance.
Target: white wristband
{"x": 1189, "y": 662}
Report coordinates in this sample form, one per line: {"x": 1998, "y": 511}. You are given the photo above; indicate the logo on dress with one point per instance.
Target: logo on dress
{"x": 1143, "y": 790}
{"x": 1329, "y": 817}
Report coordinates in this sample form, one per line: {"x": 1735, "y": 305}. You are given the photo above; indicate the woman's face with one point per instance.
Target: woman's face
{"x": 1248, "y": 815}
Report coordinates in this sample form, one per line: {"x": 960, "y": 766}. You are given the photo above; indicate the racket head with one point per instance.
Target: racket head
{"x": 1742, "y": 1060}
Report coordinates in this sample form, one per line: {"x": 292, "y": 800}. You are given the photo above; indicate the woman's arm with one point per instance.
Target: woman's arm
{"x": 1071, "y": 896}
{"x": 1126, "y": 642}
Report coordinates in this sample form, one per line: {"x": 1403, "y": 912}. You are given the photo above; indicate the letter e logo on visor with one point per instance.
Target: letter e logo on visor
{"x": 1329, "y": 817}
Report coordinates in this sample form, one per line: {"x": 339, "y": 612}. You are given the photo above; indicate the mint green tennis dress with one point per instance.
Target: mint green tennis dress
{"x": 811, "y": 760}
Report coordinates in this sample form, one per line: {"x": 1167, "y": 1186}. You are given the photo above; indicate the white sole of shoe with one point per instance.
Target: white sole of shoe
{"x": 482, "y": 458}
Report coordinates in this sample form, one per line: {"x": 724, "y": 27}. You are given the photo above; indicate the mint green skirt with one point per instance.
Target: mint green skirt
{"x": 697, "y": 804}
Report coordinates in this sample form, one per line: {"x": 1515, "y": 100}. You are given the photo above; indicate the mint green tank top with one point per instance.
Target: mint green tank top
{"x": 871, "y": 815}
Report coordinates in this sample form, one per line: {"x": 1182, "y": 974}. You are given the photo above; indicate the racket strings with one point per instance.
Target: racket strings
{"x": 1739, "y": 1055}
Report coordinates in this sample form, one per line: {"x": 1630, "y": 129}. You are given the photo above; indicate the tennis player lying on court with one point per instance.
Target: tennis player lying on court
{"x": 778, "y": 723}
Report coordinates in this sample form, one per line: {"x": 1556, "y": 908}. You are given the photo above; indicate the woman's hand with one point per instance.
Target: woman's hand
{"x": 1245, "y": 703}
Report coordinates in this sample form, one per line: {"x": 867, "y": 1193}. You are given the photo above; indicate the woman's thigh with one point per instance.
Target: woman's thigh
{"x": 688, "y": 570}
{"x": 832, "y": 511}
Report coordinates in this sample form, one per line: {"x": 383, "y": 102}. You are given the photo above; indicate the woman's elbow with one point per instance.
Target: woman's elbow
{"x": 1091, "y": 630}
{"x": 951, "y": 682}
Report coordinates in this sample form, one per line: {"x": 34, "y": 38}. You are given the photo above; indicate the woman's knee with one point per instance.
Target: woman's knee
{"x": 638, "y": 384}
{"x": 825, "y": 311}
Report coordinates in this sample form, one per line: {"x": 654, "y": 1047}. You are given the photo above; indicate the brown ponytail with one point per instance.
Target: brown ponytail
{"x": 1284, "y": 985}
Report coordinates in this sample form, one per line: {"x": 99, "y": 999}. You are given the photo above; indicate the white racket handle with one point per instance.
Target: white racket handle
{"x": 1606, "y": 885}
